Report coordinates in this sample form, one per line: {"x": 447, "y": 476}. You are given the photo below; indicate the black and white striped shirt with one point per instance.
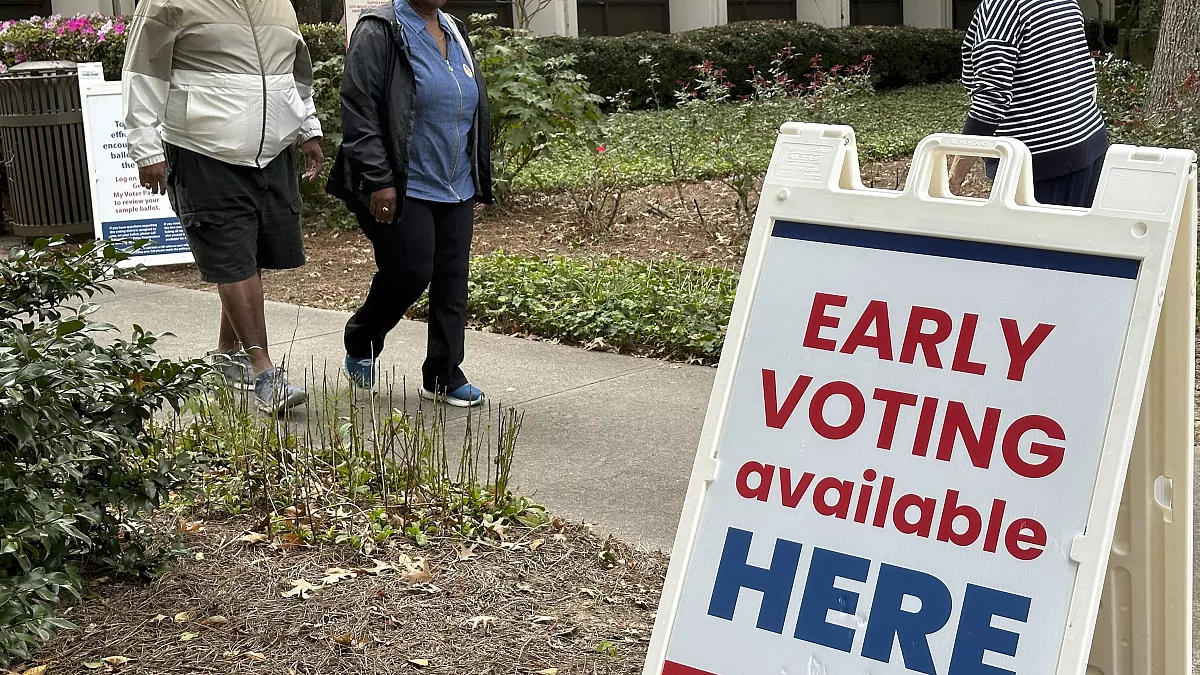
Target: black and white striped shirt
{"x": 1030, "y": 76}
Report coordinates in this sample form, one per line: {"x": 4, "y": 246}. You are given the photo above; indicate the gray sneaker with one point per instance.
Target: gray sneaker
{"x": 275, "y": 394}
{"x": 236, "y": 368}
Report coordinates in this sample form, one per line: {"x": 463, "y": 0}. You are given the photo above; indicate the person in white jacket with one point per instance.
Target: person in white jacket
{"x": 216, "y": 94}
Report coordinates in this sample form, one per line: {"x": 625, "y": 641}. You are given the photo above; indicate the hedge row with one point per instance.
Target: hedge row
{"x": 902, "y": 55}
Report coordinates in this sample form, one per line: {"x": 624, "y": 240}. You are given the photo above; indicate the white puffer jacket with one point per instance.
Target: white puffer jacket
{"x": 230, "y": 79}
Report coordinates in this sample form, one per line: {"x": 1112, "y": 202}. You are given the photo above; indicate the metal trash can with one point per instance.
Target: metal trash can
{"x": 41, "y": 135}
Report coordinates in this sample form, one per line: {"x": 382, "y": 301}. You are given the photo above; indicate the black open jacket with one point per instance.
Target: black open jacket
{"x": 378, "y": 98}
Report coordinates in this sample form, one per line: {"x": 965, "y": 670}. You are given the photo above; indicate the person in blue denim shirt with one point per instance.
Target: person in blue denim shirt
{"x": 414, "y": 161}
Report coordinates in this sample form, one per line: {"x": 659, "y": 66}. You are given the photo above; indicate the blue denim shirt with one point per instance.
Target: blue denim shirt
{"x": 439, "y": 162}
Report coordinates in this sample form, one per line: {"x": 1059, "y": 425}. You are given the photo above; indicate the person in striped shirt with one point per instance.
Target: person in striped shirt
{"x": 1030, "y": 76}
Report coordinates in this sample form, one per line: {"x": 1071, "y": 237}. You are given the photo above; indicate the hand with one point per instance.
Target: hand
{"x": 960, "y": 169}
{"x": 154, "y": 178}
{"x": 383, "y": 205}
{"x": 314, "y": 159}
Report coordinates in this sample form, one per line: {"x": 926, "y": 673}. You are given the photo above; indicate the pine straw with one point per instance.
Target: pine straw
{"x": 558, "y": 606}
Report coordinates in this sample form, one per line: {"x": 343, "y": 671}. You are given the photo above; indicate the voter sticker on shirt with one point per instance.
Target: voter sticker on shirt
{"x": 467, "y": 70}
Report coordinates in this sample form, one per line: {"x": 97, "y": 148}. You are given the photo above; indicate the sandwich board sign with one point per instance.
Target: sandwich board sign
{"x": 122, "y": 209}
{"x": 917, "y": 445}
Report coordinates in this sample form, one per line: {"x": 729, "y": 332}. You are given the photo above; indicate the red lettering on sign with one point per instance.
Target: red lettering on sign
{"x": 1015, "y": 537}
{"x": 777, "y": 416}
{"x": 915, "y": 335}
{"x": 791, "y": 496}
{"x": 874, "y": 318}
{"x": 818, "y": 319}
{"x": 958, "y": 424}
{"x": 892, "y": 401}
{"x": 1053, "y": 454}
{"x": 816, "y": 411}
{"x": 765, "y": 472}
{"x": 962, "y": 352}
{"x": 914, "y": 514}
{"x": 1020, "y": 351}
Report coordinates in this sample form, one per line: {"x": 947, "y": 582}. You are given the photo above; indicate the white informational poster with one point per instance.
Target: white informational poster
{"x": 353, "y": 10}
{"x": 122, "y": 209}
{"x": 917, "y": 441}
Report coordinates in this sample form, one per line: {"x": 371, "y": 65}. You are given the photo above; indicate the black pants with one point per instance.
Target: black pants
{"x": 429, "y": 247}
{"x": 1074, "y": 189}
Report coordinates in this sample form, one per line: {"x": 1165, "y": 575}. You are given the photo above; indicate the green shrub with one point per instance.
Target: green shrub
{"x": 888, "y": 125}
{"x": 902, "y": 55}
{"x": 325, "y": 40}
{"x": 78, "y": 457}
{"x": 535, "y": 100}
{"x": 1121, "y": 95}
{"x": 671, "y": 308}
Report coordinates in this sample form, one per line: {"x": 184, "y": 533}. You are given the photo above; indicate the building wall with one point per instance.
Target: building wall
{"x": 832, "y": 13}
{"x": 110, "y": 7}
{"x": 689, "y": 14}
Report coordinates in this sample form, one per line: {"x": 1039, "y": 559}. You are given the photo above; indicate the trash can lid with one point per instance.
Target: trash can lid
{"x": 46, "y": 67}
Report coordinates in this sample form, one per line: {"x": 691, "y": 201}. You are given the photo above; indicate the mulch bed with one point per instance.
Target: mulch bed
{"x": 551, "y": 601}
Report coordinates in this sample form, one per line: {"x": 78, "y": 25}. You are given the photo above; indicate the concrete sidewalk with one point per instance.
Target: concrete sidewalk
{"x": 606, "y": 438}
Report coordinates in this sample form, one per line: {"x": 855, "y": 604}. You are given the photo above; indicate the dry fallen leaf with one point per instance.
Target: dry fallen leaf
{"x": 417, "y": 573}
{"x": 420, "y": 663}
{"x": 345, "y": 640}
{"x": 478, "y": 621}
{"x": 253, "y": 538}
{"x": 188, "y": 637}
{"x": 116, "y": 661}
{"x": 548, "y": 671}
{"x": 191, "y": 527}
{"x": 183, "y": 617}
{"x": 159, "y": 619}
{"x": 38, "y": 670}
{"x": 536, "y": 544}
{"x": 337, "y": 575}
{"x": 498, "y": 528}
{"x": 300, "y": 589}
{"x": 379, "y": 568}
{"x": 466, "y": 552}
{"x": 93, "y": 665}
{"x": 589, "y": 592}
{"x": 544, "y": 619}
{"x": 215, "y": 621}
{"x": 289, "y": 541}
{"x": 256, "y": 656}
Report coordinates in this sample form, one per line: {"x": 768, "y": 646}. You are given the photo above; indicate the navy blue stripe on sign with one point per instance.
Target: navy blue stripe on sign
{"x": 1003, "y": 254}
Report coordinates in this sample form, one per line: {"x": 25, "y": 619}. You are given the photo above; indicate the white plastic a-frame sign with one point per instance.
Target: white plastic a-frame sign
{"x": 917, "y": 445}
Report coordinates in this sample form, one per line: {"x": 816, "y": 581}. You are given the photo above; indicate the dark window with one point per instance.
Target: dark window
{"x": 620, "y": 17}
{"x": 757, "y": 10}
{"x": 23, "y": 9}
{"x": 876, "y": 12}
{"x": 963, "y": 11}
{"x": 465, "y": 8}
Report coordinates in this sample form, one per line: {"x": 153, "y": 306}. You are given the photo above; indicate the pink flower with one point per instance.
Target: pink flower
{"x": 601, "y": 149}
{"x": 119, "y": 29}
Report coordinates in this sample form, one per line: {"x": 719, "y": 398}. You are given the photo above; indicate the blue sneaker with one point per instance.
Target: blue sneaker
{"x": 360, "y": 371}
{"x": 466, "y": 396}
